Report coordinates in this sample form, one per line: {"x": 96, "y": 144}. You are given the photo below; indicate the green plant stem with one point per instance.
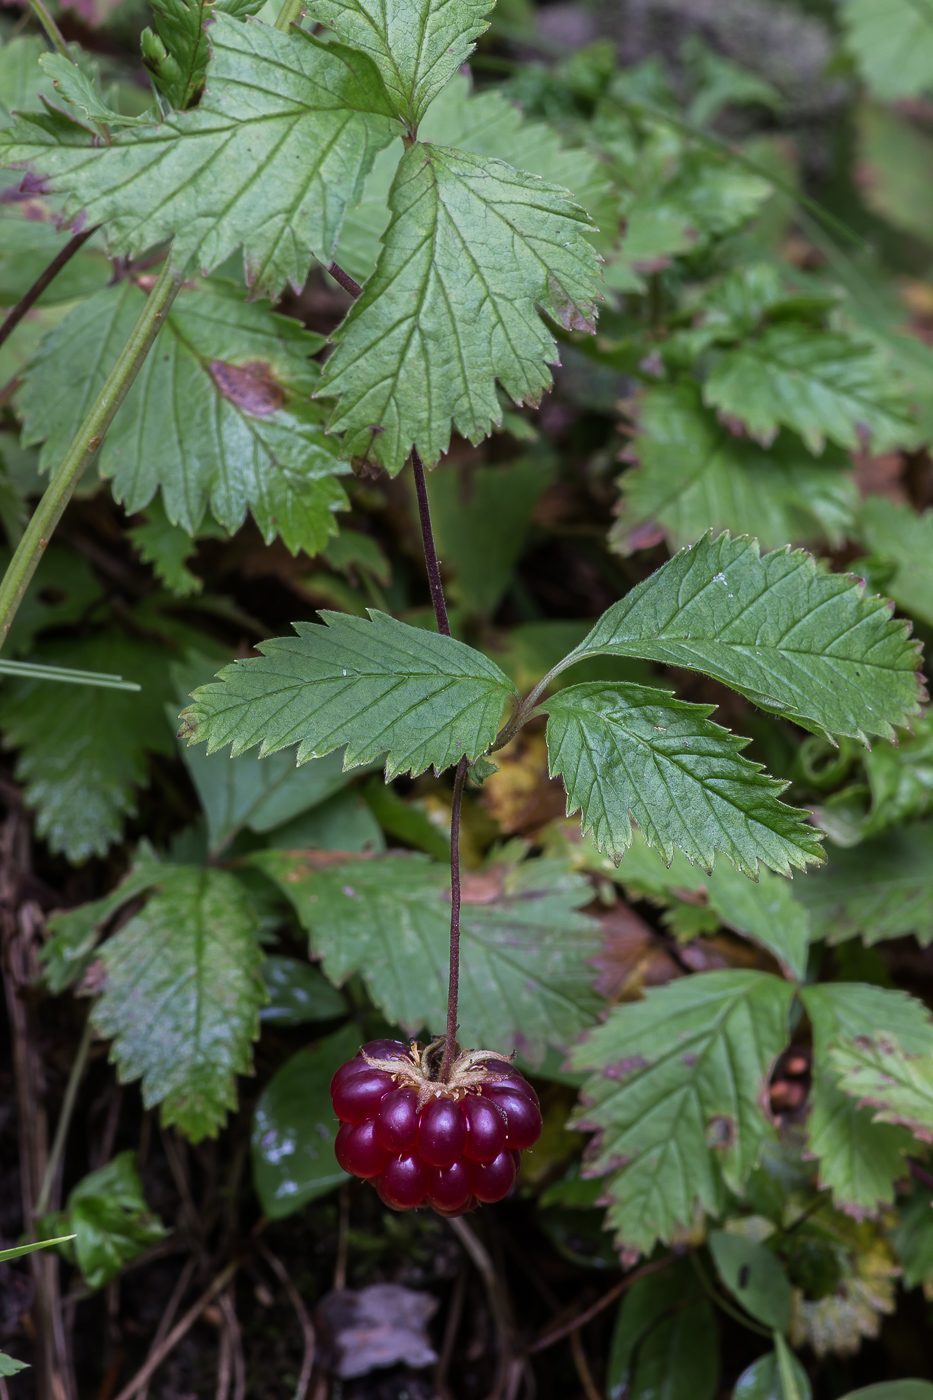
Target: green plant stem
{"x": 84, "y": 446}
{"x": 51, "y": 28}
{"x": 289, "y": 13}
{"x": 64, "y": 1118}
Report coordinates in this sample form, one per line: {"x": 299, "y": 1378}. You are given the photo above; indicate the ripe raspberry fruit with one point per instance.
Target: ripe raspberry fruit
{"x": 449, "y": 1145}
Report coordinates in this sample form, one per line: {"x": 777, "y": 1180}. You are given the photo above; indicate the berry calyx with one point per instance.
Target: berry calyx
{"x": 450, "y": 1143}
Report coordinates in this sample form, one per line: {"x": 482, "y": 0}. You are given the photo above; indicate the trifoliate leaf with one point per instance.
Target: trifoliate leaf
{"x": 417, "y": 45}
{"x": 288, "y": 125}
{"x": 895, "y": 1083}
{"x": 902, "y": 539}
{"x": 473, "y": 249}
{"x": 694, "y": 475}
{"x": 219, "y": 413}
{"x": 860, "y": 1160}
{"x": 108, "y": 1215}
{"x": 377, "y": 685}
{"x": 821, "y": 385}
{"x": 83, "y": 761}
{"x": 633, "y": 756}
{"x": 676, "y": 1100}
{"x": 795, "y": 641}
{"x": 524, "y": 979}
{"x": 882, "y": 888}
{"x": 182, "y": 996}
{"x": 177, "y": 53}
{"x": 892, "y": 41}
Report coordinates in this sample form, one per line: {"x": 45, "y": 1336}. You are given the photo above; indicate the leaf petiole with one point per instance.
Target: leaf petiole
{"x": 84, "y": 446}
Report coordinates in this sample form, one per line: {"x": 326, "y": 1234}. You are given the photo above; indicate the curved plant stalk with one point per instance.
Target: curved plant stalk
{"x": 29, "y": 299}
{"x": 53, "y": 33}
{"x": 289, "y": 14}
{"x": 84, "y": 447}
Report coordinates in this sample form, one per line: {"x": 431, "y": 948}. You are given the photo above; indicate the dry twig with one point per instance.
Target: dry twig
{"x": 304, "y": 1321}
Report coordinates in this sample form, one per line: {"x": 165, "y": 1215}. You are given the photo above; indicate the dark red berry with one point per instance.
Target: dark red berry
{"x": 449, "y": 1187}
{"x": 469, "y": 1205}
{"x": 404, "y": 1182}
{"x": 358, "y": 1152}
{"x": 523, "y": 1118}
{"x": 348, "y": 1071}
{"x": 493, "y": 1180}
{"x": 396, "y": 1122}
{"x": 441, "y": 1132}
{"x": 506, "y": 1076}
{"x": 357, "y": 1097}
{"x": 485, "y": 1129}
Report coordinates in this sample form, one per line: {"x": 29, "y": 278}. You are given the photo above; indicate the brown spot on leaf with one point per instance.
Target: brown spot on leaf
{"x": 252, "y": 388}
{"x": 720, "y": 1131}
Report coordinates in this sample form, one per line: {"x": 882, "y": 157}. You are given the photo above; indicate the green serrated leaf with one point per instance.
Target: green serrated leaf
{"x": 820, "y": 385}
{"x": 74, "y": 933}
{"x": 892, "y": 41}
{"x": 693, "y": 475}
{"x": 294, "y": 1127}
{"x": 182, "y": 996}
{"x": 167, "y": 548}
{"x": 110, "y": 1219}
{"x": 177, "y": 53}
{"x": 417, "y": 45}
{"x": 860, "y": 1160}
{"x": 795, "y": 641}
{"x": 894, "y": 1083}
{"x": 902, "y": 538}
{"x": 376, "y": 685}
{"x": 676, "y": 1099}
{"x": 82, "y": 762}
{"x": 524, "y": 980}
{"x": 220, "y": 413}
{"x": 288, "y": 124}
{"x": 259, "y": 794}
{"x": 473, "y": 249}
{"x": 80, "y": 91}
{"x": 882, "y": 888}
{"x": 21, "y": 78}
{"x": 633, "y": 756}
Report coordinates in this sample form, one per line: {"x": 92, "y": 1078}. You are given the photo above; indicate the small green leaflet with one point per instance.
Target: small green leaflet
{"x": 177, "y": 53}
{"x": 19, "y": 1250}
{"x": 77, "y": 85}
{"x": 182, "y": 996}
{"x": 902, "y": 540}
{"x": 288, "y": 124}
{"x": 377, "y": 685}
{"x": 9, "y": 1366}
{"x": 664, "y": 1342}
{"x": 754, "y": 1276}
{"x": 417, "y": 45}
{"x": 896, "y": 1084}
{"x": 822, "y": 386}
{"x": 110, "y": 1220}
{"x": 473, "y": 249}
{"x": 83, "y": 761}
{"x": 892, "y": 41}
{"x": 860, "y": 1160}
{"x": 882, "y": 888}
{"x": 219, "y": 414}
{"x": 259, "y": 794}
{"x": 629, "y": 755}
{"x": 74, "y": 933}
{"x": 524, "y": 981}
{"x": 167, "y": 548}
{"x": 676, "y": 1097}
{"x": 795, "y": 641}
{"x": 693, "y": 475}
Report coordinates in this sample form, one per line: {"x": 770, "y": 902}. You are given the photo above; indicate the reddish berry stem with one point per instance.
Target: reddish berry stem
{"x": 443, "y": 626}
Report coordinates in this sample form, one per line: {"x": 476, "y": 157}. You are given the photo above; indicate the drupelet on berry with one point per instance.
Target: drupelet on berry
{"x": 449, "y": 1145}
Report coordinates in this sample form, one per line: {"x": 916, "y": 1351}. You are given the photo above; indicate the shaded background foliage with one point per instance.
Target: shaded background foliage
{"x": 761, "y": 365}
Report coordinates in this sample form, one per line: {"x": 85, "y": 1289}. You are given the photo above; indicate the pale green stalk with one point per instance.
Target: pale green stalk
{"x": 64, "y": 1119}
{"x": 289, "y": 13}
{"x": 84, "y": 446}
{"x": 51, "y": 28}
